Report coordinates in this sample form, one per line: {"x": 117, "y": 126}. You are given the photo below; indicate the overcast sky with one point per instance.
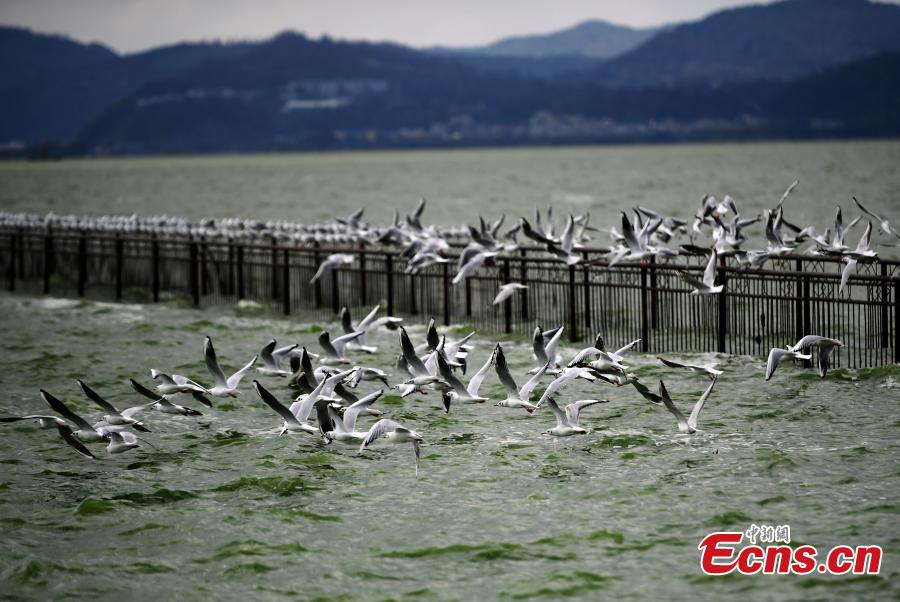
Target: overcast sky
{"x": 129, "y": 25}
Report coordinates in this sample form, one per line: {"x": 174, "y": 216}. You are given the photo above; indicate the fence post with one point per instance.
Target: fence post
{"x": 587, "y": 297}
{"x": 523, "y": 278}
{"x": 389, "y": 274}
{"x": 204, "y": 269}
{"x": 82, "y": 263}
{"x": 230, "y": 267}
{"x": 154, "y": 253}
{"x": 317, "y": 285}
{"x": 507, "y": 305}
{"x": 654, "y": 293}
{"x": 645, "y": 323}
{"x": 884, "y": 306}
{"x": 240, "y": 272}
{"x": 48, "y": 260}
{"x": 120, "y": 261}
{"x": 798, "y": 311}
{"x": 335, "y": 299}
{"x": 468, "y": 290}
{"x": 12, "y": 262}
{"x": 274, "y": 268}
{"x": 21, "y": 254}
{"x": 363, "y": 277}
{"x": 573, "y": 319}
{"x": 413, "y": 309}
{"x": 445, "y": 281}
{"x": 723, "y": 306}
{"x": 194, "y": 273}
{"x": 896, "y": 320}
{"x": 286, "y": 284}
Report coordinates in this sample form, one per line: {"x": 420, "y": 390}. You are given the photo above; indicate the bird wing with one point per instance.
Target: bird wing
{"x": 95, "y": 397}
{"x": 413, "y": 362}
{"x": 553, "y": 346}
{"x": 691, "y": 280}
{"x": 353, "y": 411}
{"x": 787, "y": 192}
{"x": 561, "y": 418}
{"x": 65, "y": 431}
{"x": 573, "y": 410}
{"x": 667, "y": 401}
{"x": 845, "y": 273}
{"x": 341, "y": 342}
{"x": 475, "y": 381}
{"x": 60, "y": 408}
{"x": 212, "y": 364}
{"x": 346, "y": 324}
{"x": 327, "y": 346}
{"x": 235, "y": 379}
{"x": 502, "y": 369}
{"x": 451, "y": 379}
{"x": 366, "y": 322}
{"x": 567, "y": 235}
{"x": 273, "y": 403}
{"x": 645, "y": 392}
{"x": 631, "y": 240}
{"x": 709, "y": 274}
{"x": 776, "y": 356}
{"x": 622, "y": 351}
{"x": 266, "y": 356}
{"x": 378, "y": 430}
{"x": 695, "y": 411}
{"x": 142, "y": 390}
{"x": 866, "y": 211}
{"x": 431, "y": 335}
{"x": 584, "y": 353}
{"x": 527, "y": 388}
{"x": 279, "y": 354}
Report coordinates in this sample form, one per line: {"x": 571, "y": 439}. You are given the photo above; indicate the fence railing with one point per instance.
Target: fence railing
{"x": 758, "y": 309}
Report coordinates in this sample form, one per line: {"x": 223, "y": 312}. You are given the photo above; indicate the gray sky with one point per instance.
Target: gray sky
{"x": 129, "y": 25}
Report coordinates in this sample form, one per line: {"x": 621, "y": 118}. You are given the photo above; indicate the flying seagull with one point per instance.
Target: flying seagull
{"x": 689, "y": 425}
{"x": 223, "y": 387}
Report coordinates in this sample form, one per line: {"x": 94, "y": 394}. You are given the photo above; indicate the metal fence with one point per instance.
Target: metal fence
{"x": 758, "y": 309}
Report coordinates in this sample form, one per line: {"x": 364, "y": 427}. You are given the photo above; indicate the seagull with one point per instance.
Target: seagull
{"x": 515, "y": 397}
{"x": 366, "y": 373}
{"x": 370, "y": 322}
{"x": 345, "y": 428}
{"x": 708, "y": 285}
{"x": 396, "y": 433}
{"x": 160, "y": 402}
{"x": 171, "y": 384}
{"x": 471, "y": 266}
{"x": 690, "y": 425}
{"x": 885, "y": 225}
{"x": 120, "y": 441}
{"x": 778, "y": 355}
{"x": 291, "y": 422}
{"x": 420, "y": 377}
{"x": 223, "y": 387}
{"x": 65, "y": 431}
{"x": 507, "y": 291}
{"x": 566, "y": 375}
{"x": 86, "y": 432}
{"x": 334, "y": 349}
{"x": 825, "y": 345}
{"x": 546, "y": 350}
{"x": 303, "y": 404}
{"x": 332, "y": 262}
{"x": 273, "y": 359}
{"x": 462, "y": 393}
{"x": 113, "y": 416}
{"x": 709, "y": 369}
{"x": 567, "y": 421}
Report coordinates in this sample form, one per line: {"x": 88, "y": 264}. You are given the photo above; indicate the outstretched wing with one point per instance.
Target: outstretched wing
{"x": 65, "y": 431}
{"x": 527, "y": 388}
{"x": 351, "y": 414}
{"x": 409, "y": 354}
{"x": 378, "y": 430}
{"x": 667, "y": 401}
{"x": 451, "y": 379}
{"x": 212, "y": 364}
{"x": 95, "y": 397}
{"x": 60, "y": 408}
{"x": 235, "y": 379}
{"x": 475, "y": 381}
{"x": 695, "y": 412}
{"x": 502, "y": 369}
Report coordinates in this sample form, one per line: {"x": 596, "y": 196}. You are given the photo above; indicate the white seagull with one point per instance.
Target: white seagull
{"x": 507, "y": 291}
{"x": 825, "y": 345}
{"x": 567, "y": 421}
{"x": 778, "y": 355}
{"x": 396, "y": 433}
{"x": 708, "y": 285}
{"x": 345, "y": 427}
{"x": 334, "y": 348}
{"x": 272, "y": 359}
{"x": 689, "y": 425}
{"x": 709, "y": 369}
{"x": 516, "y": 397}
{"x": 223, "y": 387}
{"x": 332, "y": 262}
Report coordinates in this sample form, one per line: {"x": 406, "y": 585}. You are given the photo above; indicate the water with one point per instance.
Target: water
{"x": 225, "y": 508}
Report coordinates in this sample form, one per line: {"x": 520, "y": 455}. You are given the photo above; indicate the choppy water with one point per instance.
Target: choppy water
{"x": 460, "y": 184}
{"x": 225, "y": 508}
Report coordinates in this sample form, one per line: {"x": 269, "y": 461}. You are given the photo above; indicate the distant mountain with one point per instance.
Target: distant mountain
{"x": 53, "y": 86}
{"x": 594, "y": 39}
{"x": 776, "y": 41}
{"x": 296, "y": 93}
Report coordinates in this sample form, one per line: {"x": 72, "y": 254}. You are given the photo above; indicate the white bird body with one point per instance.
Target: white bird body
{"x": 223, "y": 387}
{"x": 516, "y": 397}
{"x": 567, "y": 420}
{"x": 507, "y": 291}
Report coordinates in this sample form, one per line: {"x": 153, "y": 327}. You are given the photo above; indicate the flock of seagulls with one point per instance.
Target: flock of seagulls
{"x": 331, "y": 403}
{"x": 644, "y": 234}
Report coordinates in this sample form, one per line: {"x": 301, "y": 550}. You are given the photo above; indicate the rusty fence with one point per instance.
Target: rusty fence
{"x": 759, "y": 308}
